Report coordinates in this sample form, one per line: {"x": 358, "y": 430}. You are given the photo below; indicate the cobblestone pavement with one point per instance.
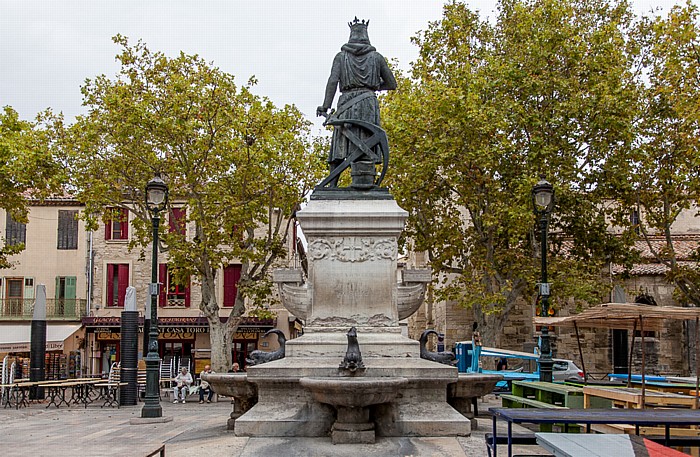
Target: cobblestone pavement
{"x": 196, "y": 430}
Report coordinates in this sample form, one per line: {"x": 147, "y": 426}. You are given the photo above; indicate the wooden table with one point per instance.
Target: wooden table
{"x": 631, "y": 397}
{"x": 636, "y": 417}
{"x": 576, "y": 445}
{"x": 671, "y": 387}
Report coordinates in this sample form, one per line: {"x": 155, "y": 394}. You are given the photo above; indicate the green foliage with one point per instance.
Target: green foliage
{"x": 28, "y": 170}
{"x": 664, "y": 176}
{"x": 237, "y": 163}
{"x": 488, "y": 108}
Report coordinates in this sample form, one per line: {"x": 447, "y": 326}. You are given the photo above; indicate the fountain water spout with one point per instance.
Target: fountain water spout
{"x": 353, "y": 357}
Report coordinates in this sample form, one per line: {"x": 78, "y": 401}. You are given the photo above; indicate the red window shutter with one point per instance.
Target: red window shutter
{"x": 110, "y": 284}
{"x": 108, "y": 230}
{"x": 123, "y": 278}
{"x": 163, "y": 279}
{"x": 232, "y": 274}
{"x": 125, "y": 223}
{"x": 187, "y": 294}
{"x": 177, "y": 220}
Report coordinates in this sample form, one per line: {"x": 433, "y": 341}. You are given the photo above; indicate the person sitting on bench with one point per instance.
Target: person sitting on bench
{"x": 204, "y": 386}
{"x": 183, "y": 381}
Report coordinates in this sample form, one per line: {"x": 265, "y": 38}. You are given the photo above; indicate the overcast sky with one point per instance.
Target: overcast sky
{"x": 49, "y": 48}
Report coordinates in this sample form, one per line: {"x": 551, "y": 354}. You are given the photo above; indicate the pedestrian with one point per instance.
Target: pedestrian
{"x": 183, "y": 381}
{"x": 205, "y": 386}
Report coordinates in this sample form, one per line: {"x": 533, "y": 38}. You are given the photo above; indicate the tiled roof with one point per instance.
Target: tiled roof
{"x": 643, "y": 269}
{"x": 683, "y": 245}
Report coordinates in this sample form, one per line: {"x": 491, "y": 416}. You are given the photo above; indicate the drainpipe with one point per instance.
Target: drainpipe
{"x": 90, "y": 265}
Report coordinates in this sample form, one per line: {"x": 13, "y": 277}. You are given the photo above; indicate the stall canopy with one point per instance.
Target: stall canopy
{"x": 621, "y": 316}
{"x": 631, "y": 316}
{"x": 16, "y": 337}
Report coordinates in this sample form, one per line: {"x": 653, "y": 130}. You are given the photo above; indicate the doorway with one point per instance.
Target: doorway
{"x": 620, "y": 351}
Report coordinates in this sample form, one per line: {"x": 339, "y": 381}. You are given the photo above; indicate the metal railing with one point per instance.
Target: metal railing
{"x": 56, "y": 308}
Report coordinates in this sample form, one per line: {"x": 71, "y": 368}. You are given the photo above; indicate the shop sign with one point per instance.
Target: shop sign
{"x": 163, "y": 334}
{"x": 176, "y": 335}
{"x": 183, "y": 329}
{"x": 24, "y": 347}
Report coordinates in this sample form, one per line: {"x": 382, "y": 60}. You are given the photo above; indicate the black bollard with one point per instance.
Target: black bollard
{"x": 129, "y": 349}
{"x": 37, "y": 347}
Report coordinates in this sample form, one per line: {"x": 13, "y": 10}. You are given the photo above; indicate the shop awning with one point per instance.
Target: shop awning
{"x": 16, "y": 337}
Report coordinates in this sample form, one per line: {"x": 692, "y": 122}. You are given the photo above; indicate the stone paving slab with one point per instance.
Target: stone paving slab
{"x": 199, "y": 430}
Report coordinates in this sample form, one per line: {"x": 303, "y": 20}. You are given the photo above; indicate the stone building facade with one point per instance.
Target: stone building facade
{"x": 183, "y": 329}
{"x": 55, "y": 256}
{"x": 86, "y": 275}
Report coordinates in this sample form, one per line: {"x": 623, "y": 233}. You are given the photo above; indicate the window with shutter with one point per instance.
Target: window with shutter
{"x": 178, "y": 219}
{"x": 117, "y": 224}
{"x": 67, "y": 229}
{"x": 173, "y": 293}
{"x": 117, "y": 282}
{"x": 232, "y": 274}
{"x": 15, "y": 232}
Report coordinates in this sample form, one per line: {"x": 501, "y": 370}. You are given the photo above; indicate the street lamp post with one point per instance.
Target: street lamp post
{"x": 156, "y": 201}
{"x": 543, "y": 203}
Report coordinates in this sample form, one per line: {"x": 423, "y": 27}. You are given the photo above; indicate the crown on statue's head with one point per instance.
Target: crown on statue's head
{"x": 358, "y": 23}
{"x": 358, "y": 31}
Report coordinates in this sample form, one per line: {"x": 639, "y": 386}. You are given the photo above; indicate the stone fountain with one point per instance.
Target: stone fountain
{"x": 352, "y": 236}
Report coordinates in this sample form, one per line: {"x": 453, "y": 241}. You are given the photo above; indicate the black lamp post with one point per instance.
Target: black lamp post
{"x": 156, "y": 201}
{"x": 543, "y": 203}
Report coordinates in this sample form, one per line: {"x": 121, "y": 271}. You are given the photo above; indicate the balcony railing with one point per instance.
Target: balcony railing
{"x": 56, "y": 308}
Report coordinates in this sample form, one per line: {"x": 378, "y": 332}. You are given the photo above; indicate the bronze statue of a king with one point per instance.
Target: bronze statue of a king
{"x": 358, "y": 140}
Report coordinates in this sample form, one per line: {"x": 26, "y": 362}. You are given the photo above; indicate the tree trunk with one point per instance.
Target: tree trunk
{"x": 220, "y": 340}
{"x": 219, "y": 333}
{"x": 490, "y": 326}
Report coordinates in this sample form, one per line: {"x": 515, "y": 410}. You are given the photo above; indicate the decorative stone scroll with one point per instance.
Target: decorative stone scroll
{"x": 353, "y": 249}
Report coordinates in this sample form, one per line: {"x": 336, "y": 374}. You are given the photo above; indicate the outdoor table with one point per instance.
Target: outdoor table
{"x": 110, "y": 393}
{"x": 636, "y": 417}
{"x": 80, "y": 393}
{"x": 57, "y": 392}
{"x": 632, "y": 397}
{"x": 548, "y": 392}
{"x": 577, "y": 445}
{"x": 10, "y": 391}
{"x": 666, "y": 386}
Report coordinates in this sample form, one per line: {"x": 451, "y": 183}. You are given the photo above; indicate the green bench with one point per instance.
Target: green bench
{"x": 514, "y": 401}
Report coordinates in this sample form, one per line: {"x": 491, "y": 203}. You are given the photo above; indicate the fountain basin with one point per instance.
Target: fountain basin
{"x": 237, "y": 386}
{"x": 353, "y": 392}
{"x": 352, "y": 397}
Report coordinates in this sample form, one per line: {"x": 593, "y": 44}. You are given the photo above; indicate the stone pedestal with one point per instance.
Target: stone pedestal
{"x": 352, "y": 281}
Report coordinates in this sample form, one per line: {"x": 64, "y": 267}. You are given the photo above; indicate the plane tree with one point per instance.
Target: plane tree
{"x": 238, "y": 164}
{"x": 545, "y": 89}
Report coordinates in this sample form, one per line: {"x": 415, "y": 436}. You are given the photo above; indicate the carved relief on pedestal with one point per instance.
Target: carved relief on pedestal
{"x": 353, "y": 249}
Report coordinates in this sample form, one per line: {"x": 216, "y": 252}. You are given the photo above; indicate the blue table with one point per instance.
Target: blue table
{"x": 636, "y": 417}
